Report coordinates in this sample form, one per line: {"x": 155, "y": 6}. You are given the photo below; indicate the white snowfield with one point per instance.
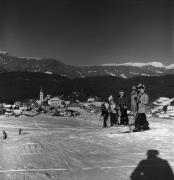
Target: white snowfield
{"x": 78, "y": 148}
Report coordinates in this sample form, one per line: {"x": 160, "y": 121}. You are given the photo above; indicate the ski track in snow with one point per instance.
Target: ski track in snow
{"x": 78, "y": 148}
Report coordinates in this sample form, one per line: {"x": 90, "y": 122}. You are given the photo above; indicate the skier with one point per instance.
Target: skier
{"x": 122, "y": 108}
{"x": 20, "y": 131}
{"x": 4, "y": 134}
{"x": 105, "y": 114}
{"x": 164, "y": 109}
{"x": 113, "y": 113}
{"x": 134, "y": 95}
{"x": 141, "y": 122}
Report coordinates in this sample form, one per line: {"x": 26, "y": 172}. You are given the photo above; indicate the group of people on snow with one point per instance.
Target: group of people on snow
{"x": 117, "y": 110}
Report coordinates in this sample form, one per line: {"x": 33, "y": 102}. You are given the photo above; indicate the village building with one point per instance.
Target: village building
{"x": 55, "y": 102}
{"x": 90, "y": 100}
{"x": 67, "y": 103}
{"x": 47, "y": 97}
{"x": 41, "y": 97}
{"x": 18, "y": 103}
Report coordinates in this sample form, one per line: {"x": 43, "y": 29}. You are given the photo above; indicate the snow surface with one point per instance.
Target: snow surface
{"x": 138, "y": 64}
{"x": 110, "y": 73}
{"x": 162, "y": 101}
{"x": 92, "y": 71}
{"x": 81, "y": 75}
{"x": 158, "y": 109}
{"x": 155, "y": 64}
{"x": 123, "y": 76}
{"x": 145, "y": 75}
{"x": 78, "y": 148}
{"x": 171, "y": 66}
{"x": 159, "y": 72}
{"x": 31, "y": 58}
{"x": 48, "y": 72}
{"x": 130, "y": 72}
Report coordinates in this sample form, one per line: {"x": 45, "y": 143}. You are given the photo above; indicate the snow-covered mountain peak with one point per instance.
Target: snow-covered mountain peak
{"x": 31, "y": 58}
{"x": 10, "y": 63}
{"x": 138, "y": 64}
{"x": 171, "y": 66}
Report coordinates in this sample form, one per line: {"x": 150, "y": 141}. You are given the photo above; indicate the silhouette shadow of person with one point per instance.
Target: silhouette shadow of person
{"x": 153, "y": 168}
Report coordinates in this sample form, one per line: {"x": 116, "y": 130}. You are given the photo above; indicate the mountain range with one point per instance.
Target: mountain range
{"x": 9, "y": 63}
{"x": 22, "y": 77}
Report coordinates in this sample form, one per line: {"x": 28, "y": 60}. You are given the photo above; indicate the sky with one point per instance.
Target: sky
{"x": 88, "y": 32}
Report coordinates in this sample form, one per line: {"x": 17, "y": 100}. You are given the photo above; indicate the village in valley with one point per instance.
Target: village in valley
{"x": 50, "y": 105}
{"x": 54, "y": 106}
{"x": 163, "y": 107}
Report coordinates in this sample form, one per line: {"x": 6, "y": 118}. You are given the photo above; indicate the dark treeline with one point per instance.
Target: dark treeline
{"x": 25, "y": 85}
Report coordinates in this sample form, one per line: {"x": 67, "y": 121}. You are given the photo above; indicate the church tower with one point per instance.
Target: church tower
{"x": 41, "y": 96}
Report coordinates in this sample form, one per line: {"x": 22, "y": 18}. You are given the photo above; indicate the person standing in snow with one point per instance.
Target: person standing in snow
{"x": 122, "y": 108}
{"x": 141, "y": 122}
{"x": 134, "y": 95}
{"x": 20, "y": 131}
{"x": 4, "y": 134}
{"x": 105, "y": 114}
{"x": 113, "y": 113}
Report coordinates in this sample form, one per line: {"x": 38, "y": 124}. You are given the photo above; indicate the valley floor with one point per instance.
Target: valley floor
{"x": 55, "y": 148}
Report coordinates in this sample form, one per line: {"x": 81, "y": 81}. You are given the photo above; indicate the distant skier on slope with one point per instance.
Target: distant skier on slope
{"x": 4, "y": 134}
{"x": 20, "y": 131}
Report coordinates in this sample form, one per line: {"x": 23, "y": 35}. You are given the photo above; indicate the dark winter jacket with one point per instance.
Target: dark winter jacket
{"x": 104, "y": 111}
{"x": 122, "y": 102}
{"x": 134, "y": 96}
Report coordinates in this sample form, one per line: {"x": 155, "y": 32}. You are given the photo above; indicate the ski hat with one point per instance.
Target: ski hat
{"x": 152, "y": 152}
{"x": 142, "y": 86}
{"x": 139, "y": 85}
